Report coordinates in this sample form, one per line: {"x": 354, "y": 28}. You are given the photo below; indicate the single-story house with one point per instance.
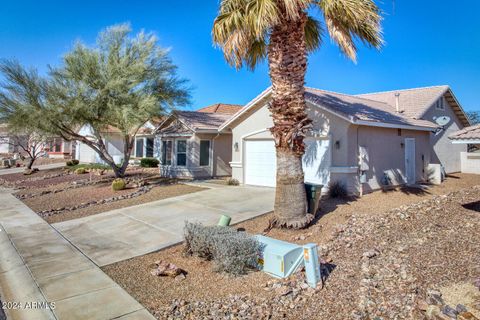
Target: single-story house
{"x": 143, "y": 146}
{"x": 191, "y": 144}
{"x": 58, "y": 147}
{"x": 470, "y": 136}
{"x": 364, "y": 141}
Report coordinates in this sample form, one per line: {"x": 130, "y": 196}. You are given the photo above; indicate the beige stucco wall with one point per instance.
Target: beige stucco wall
{"x": 470, "y": 162}
{"x": 444, "y": 152}
{"x": 386, "y": 150}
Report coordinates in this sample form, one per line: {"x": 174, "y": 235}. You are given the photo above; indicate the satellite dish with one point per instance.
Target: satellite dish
{"x": 442, "y": 121}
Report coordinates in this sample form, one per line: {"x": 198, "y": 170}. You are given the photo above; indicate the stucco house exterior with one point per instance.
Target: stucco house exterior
{"x": 363, "y": 141}
{"x": 470, "y": 136}
{"x": 191, "y": 144}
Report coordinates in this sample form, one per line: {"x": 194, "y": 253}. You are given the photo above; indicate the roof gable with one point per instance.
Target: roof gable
{"x": 224, "y": 108}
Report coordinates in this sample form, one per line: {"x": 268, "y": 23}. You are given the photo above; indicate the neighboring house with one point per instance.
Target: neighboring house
{"x": 143, "y": 146}
{"x": 5, "y": 145}
{"x": 363, "y": 141}
{"x": 60, "y": 148}
{"x": 470, "y": 136}
{"x": 191, "y": 144}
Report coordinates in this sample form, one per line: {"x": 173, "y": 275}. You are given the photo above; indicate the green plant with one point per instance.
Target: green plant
{"x": 80, "y": 171}
{"x": 118, "y": 184}
{"x": 232, "y": 182}
{"x": 69, "y": 163}
{"x": 337, "y": 189}
{"x": 74, "y": 162}
{"x": 149, "y": 162}
{"x": 231, "y": 251}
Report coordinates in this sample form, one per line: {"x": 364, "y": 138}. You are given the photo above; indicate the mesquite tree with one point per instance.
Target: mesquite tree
{"x": 122, "y": 82}
{"x": 284, "y": 31}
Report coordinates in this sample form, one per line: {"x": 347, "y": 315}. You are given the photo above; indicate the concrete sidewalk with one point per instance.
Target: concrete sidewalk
{"x": 42, "y": 167}
{"x": 133, "y": 231}
{"x": 37, "y": 264}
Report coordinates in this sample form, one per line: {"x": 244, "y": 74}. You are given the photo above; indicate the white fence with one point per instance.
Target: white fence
{"x": 470, "y": 162}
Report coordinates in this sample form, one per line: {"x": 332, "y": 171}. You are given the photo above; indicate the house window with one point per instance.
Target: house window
{"x": 149, "y": 149}
{"x": 139, "y": 148}
{"x": 205, "y": 152}
{"x": 181, "y": 152}
{"x": 439, "y": 104}
{"x": 167, "y": 152}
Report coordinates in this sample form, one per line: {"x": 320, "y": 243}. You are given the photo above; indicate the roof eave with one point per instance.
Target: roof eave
{"x": 393, "y": 125}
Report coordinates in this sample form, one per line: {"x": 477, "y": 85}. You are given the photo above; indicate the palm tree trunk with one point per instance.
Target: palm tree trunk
{"x": 287, "y": 57}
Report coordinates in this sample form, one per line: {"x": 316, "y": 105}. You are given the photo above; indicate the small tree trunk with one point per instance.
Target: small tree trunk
{"x": 30, "y": 163}
{"x": 287, "y": 59}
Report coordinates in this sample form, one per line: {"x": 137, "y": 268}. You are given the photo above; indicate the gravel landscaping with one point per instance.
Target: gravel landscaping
{"x": 385, "y": 252}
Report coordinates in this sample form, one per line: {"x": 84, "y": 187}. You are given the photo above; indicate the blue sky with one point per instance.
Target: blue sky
{"x": 427, "y": 43}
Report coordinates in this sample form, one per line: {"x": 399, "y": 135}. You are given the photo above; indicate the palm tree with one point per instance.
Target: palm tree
{"x": 283, "y": 31}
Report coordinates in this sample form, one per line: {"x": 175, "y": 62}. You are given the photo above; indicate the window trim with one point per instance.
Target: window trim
{"x": 177, "y": 153}
{"x": 209, "y": 153}
{"x": 440, "y": 104}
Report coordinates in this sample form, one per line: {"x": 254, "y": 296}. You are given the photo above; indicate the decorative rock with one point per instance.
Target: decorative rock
{"x": 466, "y": 316}
{"x": 461, "y": 308}
{"x": 370, "y": 254}
{"x": 167, "y": 269}
{"x": 449, "y": 311}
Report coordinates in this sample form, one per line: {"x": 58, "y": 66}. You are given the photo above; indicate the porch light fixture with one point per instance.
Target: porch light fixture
{"x": 337, "y": 144}
{"x": 235, "y": 146}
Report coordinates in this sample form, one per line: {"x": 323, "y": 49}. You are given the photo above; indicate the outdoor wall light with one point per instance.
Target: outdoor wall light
{"x": 337, "y": 144}
{"x": 402, "y": 145}
{"x": 235, "y": 146}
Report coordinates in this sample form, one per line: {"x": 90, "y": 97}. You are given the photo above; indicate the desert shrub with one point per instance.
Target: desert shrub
{"x": 231, "y": 251}
{"x": 118, "y": 184}
{"x": 337, "y": 189}
{"x": 232, "y": 182}
{"x": 72, "y": 162}
{"x": 149, "y": 162}
{"x": 80, "y": 171}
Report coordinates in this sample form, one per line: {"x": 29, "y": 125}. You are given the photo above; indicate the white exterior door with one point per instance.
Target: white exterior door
{"x": 410, "y": 160}
{"x": 317, "y": 160}
{"x": 260, "y": 163}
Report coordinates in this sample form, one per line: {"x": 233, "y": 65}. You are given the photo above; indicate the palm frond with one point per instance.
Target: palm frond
{"x": 348, "y": 20}
{"x": 314, "y": 33}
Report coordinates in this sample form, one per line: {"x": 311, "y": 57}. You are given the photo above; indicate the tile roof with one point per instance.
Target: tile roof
{"x": 413, "y": 102}
{"x": 360, "y": 108}
{"x": 468, "y": 133}
{"x": 224, "y": 108}
{"x": 202, "y": 120}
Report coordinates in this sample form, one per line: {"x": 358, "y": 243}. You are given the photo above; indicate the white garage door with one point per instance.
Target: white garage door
{"x": 86, "y": 154}
{"x": 260, "y": 163}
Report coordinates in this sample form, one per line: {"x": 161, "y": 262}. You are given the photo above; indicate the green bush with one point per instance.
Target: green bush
{"x": 75, "y": 162}
{"x": 149, "y": 162}
{"x": 118, "y": 184}
{"x": 80, "y": 171}
{"x": 72, "y": 163}
{"x": 231, "y": 251}
{"x": 69, "y": 163}
{"x": 232, "y": 182}
{"x": 337, "y": 189}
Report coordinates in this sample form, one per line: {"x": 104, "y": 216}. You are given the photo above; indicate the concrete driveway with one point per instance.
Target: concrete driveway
{"x": 133, "y": 231}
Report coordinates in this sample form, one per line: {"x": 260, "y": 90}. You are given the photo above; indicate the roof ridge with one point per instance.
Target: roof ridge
{"x": 401, "y": 90}
{"x": 350, "y": 95}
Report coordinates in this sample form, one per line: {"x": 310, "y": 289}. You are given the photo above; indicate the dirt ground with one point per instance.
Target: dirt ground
{"x": 344, "y": 231}
{"x": 157, "y": 193}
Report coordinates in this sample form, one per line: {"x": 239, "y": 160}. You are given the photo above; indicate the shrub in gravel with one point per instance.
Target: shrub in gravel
{"x": 71, "y": 163}
{"x": 231, "y": 251}
{"x": 337, "y": 189}
{"x": 232, "y": 182}
{"x": 118, "y": 184}
{"x": 149, "y": 163}
{"x": 80, "y": 171}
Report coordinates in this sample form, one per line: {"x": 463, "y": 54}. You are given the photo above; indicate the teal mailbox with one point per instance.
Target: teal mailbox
{"x": 279, "y": 258}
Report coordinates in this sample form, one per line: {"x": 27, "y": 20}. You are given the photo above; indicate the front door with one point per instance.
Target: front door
{"x": 410, "y": 160}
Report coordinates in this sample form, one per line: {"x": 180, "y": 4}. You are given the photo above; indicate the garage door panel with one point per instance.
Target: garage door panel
{"x": 260, "y": 162}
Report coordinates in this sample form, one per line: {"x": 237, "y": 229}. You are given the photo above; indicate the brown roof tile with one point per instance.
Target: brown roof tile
{"x": 224, "y": 108}
{"x": 468, "y": 133}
